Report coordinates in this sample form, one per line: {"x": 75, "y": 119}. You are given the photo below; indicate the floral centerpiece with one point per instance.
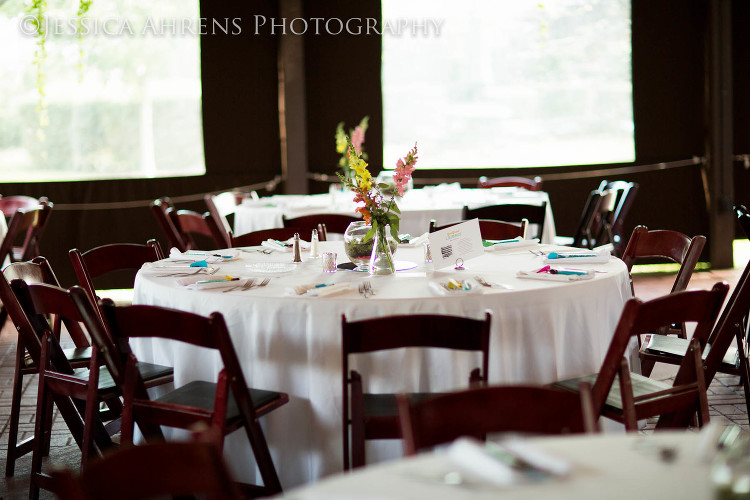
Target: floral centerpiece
{"x": 357, "y": 135}
{"x": 378, "y": 210}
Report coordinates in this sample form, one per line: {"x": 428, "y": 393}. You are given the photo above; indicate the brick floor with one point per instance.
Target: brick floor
{"x": 726, "y": 396}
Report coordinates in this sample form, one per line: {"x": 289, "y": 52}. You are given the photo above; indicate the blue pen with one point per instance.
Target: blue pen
{"x": 562, "y": 271}
{"x": 555, "y": 255}
{"x": 323, "y": 284}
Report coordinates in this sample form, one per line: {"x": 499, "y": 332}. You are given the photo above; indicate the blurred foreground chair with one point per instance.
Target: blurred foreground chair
{"x": 375, "y": 416}
{"x": 478, "y": 412}
{"x": 534, "y": 184}
{"x": 150, "y": 471}
{"x": 627, "y": 397}
{"x": 223, "y": 406}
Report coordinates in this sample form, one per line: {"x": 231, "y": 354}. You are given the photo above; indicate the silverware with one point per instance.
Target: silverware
{"x": 490, "y": 284}
{"x": 362, "y": 290}
{"x": 250, "y": 280}
{"x": 186, "y": 273}
{"x": 368, "y": 288}
{"x": 263, "y": 283}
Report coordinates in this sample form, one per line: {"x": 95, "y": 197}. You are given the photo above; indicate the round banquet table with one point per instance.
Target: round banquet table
{"x": 542, "y": 331}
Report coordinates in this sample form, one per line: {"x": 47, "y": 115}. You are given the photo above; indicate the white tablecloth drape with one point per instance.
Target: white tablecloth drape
{"x": 541, "y": 331}
{"x": 444, "y": 203}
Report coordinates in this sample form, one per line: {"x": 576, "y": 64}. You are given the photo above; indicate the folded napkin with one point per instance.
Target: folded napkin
{"x": 208, "y": 282}
{"x": 455, "y": 287}
{"x": 548, "y": 273}
{"x": 417, "y": 241}
{"x": 165, "y": 266}
{"x": 578, "y": 256}
{"x": 498, "y": 245}
{"x": 474, "y": 461}
{"x": 210, "y": 257}
{"x": 319, "y": 289}
{"x": 285, "y": 246}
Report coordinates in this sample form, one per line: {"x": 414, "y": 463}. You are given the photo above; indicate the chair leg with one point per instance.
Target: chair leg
{"x": 647, "y": 366}
{"x": 40, "y": 428}
{"x": 13, "y": 453}
{"x": 626, "y": 396}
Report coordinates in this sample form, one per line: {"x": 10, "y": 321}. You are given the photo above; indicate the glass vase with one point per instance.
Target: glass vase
{"x": 381, "y": 260}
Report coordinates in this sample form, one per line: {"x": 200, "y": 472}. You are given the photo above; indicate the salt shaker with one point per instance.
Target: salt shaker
{"x": 314, "y": 251}
{"x": 297, "y": 256}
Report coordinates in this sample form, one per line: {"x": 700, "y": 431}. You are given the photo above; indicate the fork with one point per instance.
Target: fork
{"x": 198, "y": 271}
{"x": 490, "y": 284}
{"x": 368, "y": 288}
{"x": 249, "y": 280}
{"x": 253, "y": 285}
{"x": 362, "y": 290}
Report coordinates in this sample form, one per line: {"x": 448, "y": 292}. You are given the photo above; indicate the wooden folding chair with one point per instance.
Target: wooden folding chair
{"x": 627, "y": 397}
{"x": 36, "y": 271}
{"x": 60, "y": 382}
{"x": 375, "y": 416}
{"x": 25, "y": 231}
{"x": 150, "y": 471}
{"x": 222, "y": 205}
{"x": 611, "y": 225}
{"x": 534, "y": 184}
{"x": 224, "y": 406}
{"x": 501, "y": 408}
{"x": 670, "y": 246}
{"x": 324, "y": 223}
{"x": 491, "y": 229}
{"x": 534, "y": 214}
{"x": 255, "y": 238}
{"x": 190, "y": 224}
{"x": 718, "y": 354}
{"x": 9, "y": 205}
{"x": 111, "y": 258}
{"x": 159, "y": 208}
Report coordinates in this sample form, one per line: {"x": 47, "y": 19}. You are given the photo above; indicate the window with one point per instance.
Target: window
{"x": 507, "y": 83}
{"x": 123, "y": 101}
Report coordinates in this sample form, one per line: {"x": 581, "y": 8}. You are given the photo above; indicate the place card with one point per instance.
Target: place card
{"x": 454, "y": 245}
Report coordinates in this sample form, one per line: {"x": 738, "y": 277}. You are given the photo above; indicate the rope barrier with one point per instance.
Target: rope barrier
{"x": 119, "y": 205}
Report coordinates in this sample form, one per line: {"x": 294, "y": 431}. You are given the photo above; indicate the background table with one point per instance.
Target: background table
{"x": 625, "y": 466}
{"x": 444, "y": 203}
{"x": 541, "y": 332}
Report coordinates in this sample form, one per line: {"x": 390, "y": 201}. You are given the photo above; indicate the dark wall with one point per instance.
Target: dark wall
{"x": 241, "y": 126}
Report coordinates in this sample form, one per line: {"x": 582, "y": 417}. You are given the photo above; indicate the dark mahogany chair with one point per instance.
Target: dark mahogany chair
{"x": 478, "y": 412}
{"x": 157, "y": 470}
{"x": 375, "y": 416}
{"x": 324, "y": 223}
{"x": 222, "y": 205}
{"x": 190, "y": 224}
{"x": 28, "y": 346}
{"x": 223, "y": 406}
{"x": 25, "y": 229}
{"x": 534, "y": 214}
{"x": 106, "y": 259}
{"x": 255, "y": 238}
{"x": 491, "y": 229}
{"x": 159, "y": 208}
{"x": 582, "y": 234}
{"x": 534, "y": 184}
{"x": 9, "y": 205}
{"x": 666, "y": 245}
{"x": 627, "y": 397}
{"x": 59, "y": 381}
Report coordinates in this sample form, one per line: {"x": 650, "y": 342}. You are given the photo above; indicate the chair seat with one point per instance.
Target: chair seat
{"x": 383, "y": 405}
{"x": 676, "y": 348}
{"x": 75, "y": 355}
{"x": 642, "y": 386}
{"x": 148, "y": 372}
{"x": 201, "y": 394}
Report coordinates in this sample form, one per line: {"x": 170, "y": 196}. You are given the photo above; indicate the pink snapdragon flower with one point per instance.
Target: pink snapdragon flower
{"x": 358, "y": 137}
{"x": 404, "y": 169}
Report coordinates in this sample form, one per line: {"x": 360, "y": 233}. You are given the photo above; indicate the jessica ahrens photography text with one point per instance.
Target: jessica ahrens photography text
{"x": 113, "y": 26}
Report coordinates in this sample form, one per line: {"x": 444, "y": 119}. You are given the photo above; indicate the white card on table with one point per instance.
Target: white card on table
{"x": 452, "y": 245}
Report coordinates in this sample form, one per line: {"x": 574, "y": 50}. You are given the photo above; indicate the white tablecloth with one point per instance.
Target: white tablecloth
{"x": 624, "y": 466}
{"x": 444, "y": 203}
{"x": 541, "y": 332}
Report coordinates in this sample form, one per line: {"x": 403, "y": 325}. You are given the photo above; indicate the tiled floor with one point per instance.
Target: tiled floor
{"x": 726, "y": 397}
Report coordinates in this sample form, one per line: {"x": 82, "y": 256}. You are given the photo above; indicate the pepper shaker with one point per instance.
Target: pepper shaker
{"x": 297, "y": 256}
{"x": 314, "y": 251}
